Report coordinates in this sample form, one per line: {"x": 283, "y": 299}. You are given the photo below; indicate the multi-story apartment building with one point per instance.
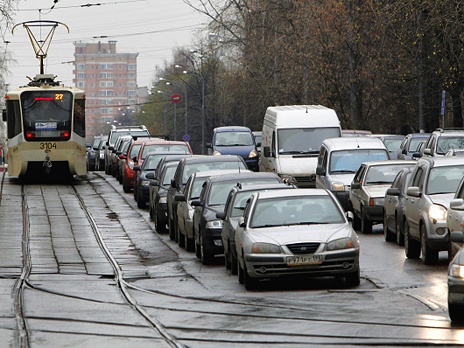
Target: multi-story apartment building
{"x": 109, "y": 80}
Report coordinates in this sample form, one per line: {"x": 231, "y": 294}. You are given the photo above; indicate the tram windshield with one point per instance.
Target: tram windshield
{"x": 47, "y": 115}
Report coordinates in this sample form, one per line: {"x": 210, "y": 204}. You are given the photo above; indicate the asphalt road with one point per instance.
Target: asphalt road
{"x": 81, "y": 265}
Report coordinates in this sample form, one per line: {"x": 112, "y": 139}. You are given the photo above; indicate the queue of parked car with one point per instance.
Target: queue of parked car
{"x": 266, "y": 226}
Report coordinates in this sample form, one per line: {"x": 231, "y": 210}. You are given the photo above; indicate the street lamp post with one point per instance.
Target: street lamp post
{"x": 202, "y": 108}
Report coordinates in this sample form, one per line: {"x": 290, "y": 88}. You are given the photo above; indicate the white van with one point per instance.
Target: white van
{"x": 292, "y": 137}
{"x": 340, "y": 158}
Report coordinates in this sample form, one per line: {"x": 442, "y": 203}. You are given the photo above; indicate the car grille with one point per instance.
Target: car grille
{"x": 324, "y": 268}
{"x": 305, "y": 181}
{"x": 303, "y": 248}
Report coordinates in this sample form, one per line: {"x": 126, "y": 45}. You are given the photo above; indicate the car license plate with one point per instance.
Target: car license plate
{"x": 304, "y": 260}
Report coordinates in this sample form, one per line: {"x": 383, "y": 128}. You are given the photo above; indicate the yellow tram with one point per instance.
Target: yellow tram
{"x": 45, "y": 119}
{"x": 45, "y": 128}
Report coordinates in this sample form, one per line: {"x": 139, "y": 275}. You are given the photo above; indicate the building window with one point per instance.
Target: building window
{"x": 131, "y": 75}
{"x": 131, "y": 66}
{"x": 80, "y": 66}
{"x": 81, "y": 75}
{"x": 131, "y": 84}
{"x": 81, "y": 84}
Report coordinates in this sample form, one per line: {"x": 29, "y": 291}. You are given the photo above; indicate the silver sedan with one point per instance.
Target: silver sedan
{"x": 300, "y": 232}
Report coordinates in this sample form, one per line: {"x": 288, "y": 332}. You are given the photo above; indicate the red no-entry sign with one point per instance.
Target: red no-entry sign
{"x": 175, "y": 98}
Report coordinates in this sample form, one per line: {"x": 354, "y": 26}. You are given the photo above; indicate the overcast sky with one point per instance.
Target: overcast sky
{"x": 151, "y": 28}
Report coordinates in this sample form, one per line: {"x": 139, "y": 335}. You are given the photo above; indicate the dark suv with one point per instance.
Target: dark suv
{"x": 235, "y": 140}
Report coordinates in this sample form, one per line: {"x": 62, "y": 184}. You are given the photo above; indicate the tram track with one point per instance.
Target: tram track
{"x": 199, "y": 320}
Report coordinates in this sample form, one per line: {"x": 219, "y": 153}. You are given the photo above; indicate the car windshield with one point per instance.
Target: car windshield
{"x": 301, "y": 210}
{"x": 138, "y": 133}
{"x": 220, "y": 190}
{"x": 381, "y": 175}
{"x": 444, "y": 179}
{"x": 348, "y": 161}
{"x": 168, "y": 175}
{"x": 196, "y": 187}
{"x": 304, "y": 140}
{"x": 151, "y": 162}
{"x": 234, "y": 139}
{"x": 393, "y": 145}
{"x": 446, "y": 143}
{"x": 191, "y": 168}
{"x": 414, "y": 144}
{"x": 175, "y": 149}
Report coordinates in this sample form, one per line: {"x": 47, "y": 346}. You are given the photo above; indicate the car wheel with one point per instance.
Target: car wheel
{"x": 411, "y": 246}
{"x": 366, "y": 224}
{"x": 240, "y": 273}
{"x": 387, "y": 234}
{"x": 456, "y": 312}
{"x": 430, "y": 256}
{"x": 227, "y": 257}
{"x": 172, "y": 232}
{"x": 181, "y": 237}
{"x": 233, "y": 264}
{"x": 353, "y": 278}
{"x": 250, "y": 282}
{"x": 197, "y": 246}
{"x": 159, "y": 225}
{"x": 189, "y": 243}
{"x": 205, "y": 257}
{"x": 126, "y": 189}
{"x": 356, "y": 221}
{"x": 141, "y": 202}
{"x": 399, "y": 232}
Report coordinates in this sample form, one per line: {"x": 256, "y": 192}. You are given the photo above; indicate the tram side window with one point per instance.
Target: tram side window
{"x": 13, "y": 118}
{"x": 79, "y": 117}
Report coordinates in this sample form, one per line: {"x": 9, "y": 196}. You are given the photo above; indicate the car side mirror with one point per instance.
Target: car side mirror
{"x": 241, "y": 221}
{"x": 414, "y": 191}
{"x": 173, "y": 183}
{"x": 355, "y": 186}
{"x": 393, "y": 191}
{"x": 267, "y": 151}
{"x": 179, "y": 197}
{"x": 457, "y": 204}
{"x": 457, "y": 237}
{"x": 196, "y": 203}
{"x": 150, "y": 175}
{"x": 320, "y": 170}
{"x": 349, "y": 215}
{"x": 221, "y": 215}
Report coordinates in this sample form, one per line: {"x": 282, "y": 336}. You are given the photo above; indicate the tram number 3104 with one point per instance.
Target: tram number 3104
{"x": 47, "y": 146}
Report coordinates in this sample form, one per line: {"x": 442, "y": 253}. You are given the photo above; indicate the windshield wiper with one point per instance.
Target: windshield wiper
{"x": 342, "y": 171}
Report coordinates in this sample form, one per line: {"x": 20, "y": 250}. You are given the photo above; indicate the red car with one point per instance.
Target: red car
{"x": 128, "y": 169}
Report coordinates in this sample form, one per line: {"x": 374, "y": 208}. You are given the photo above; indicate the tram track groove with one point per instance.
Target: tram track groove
{"x": 122, "y": 284}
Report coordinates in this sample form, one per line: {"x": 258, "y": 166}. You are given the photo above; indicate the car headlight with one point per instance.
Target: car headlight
{"x": 337, "y": 186}
{"x": 163, "y": 200}
{"x": 265, "y": 248}
{"x": 342, "y": 243}
{"x": 253, "y": 153}
{"x": 214, "y": 224}
{"x": 145, "y": 183}
{"x": 456, "y": 271}
{"x": 437, "y": 212}
{"x": 102, "y": 155}
{"x": 131, "y": 165}
{"x": 288, "y": 179}
{"x": 216, "y": 153}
